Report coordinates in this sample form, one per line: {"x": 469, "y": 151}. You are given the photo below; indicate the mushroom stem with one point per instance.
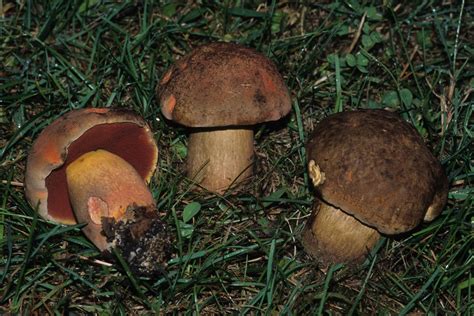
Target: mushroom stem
{"x": 103, "y": 185}
{"x": 332, "y": 236}
{"x": 220, "y": 158}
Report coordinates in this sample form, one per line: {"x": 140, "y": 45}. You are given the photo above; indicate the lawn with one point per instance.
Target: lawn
{"x": 239, "y": 252}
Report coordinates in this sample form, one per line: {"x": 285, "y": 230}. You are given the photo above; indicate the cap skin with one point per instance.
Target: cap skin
{"x": 369, "y": 168}
{"x": 223, "y": 84}
{"x": 118, "y": 131}
{"x": 221, "y": 90}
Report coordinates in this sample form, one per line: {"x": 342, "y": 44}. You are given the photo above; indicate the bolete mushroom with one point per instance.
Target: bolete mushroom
{"x": 220, "y": 91}
{"x": 91, "y": 166}
{"x": 118, "y": 131}
{"x": 373, "y": 175}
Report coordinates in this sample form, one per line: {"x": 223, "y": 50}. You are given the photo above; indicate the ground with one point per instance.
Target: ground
{"x": 239, "y": 252}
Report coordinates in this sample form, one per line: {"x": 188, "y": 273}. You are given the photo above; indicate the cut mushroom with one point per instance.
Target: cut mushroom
{"x": 91, "y": 166}
{"x": 220, "y": 91}
{"x": 118, "y": 131}
{"x": 103, "y": 185}
{"x": 373, "y": 175}
{"x": 108, "y": 193}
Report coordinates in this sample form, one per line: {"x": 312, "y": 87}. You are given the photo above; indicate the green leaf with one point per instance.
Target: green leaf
{"x": 342, "y": 62}
{"x": 180, "y": 149}
{"x": 391, "y": 99}
{"x": 3, "y": 119}
{"x": 366, "y": 28}
{"x": 277, "y": 22}
{"x": 362, "y": 69}
{"x": 373, "y": 14}
{"x": 247, "y": 13}
{"x": 190, "y": 211}
{"x": 170, "y": 9}
{"x": 367, "y": 42}
{"x": 86, "y": 5}
{"x": 265, "y": 225}
{"x": 274, "y": 197}
{"x": 423, "y": 38}
{"x": 351, "y": 60}
{"x": 406, "y": 96}
{"x": 185, "y": 230}
{"x": 331, "y": 58}
{"x": 376, "y": 37}
{"x": 372, "y": 104}
{"x": 461, "y": 194}
{"x": 19, "y": 116}
{"x": 355, "y": 5}
{"x": 362, "y": 60}
{"x": 343, "y": 30}
{"x": 193, "y": 15}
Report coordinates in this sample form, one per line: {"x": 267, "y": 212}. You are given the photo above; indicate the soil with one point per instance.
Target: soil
{"x": 142, "y": 238}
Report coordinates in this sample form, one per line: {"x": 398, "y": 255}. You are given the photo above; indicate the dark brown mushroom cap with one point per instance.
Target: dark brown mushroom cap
{"x": 223, "y": 84}
{"x": 377, "y": 168}
{"x": 118, "y": 131}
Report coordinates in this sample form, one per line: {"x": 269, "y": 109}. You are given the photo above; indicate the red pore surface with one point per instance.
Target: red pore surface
{"x": 127, "y": 140}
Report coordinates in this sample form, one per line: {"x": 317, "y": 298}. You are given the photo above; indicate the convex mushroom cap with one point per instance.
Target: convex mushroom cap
{"x": 220, "y": 90}
{"x": 374, "y": 167}
{"x": 223, "y": 84}
{"x": 120, "y": 132}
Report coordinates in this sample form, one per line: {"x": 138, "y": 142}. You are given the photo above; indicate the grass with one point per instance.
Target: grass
{"x": 239, "y": 253}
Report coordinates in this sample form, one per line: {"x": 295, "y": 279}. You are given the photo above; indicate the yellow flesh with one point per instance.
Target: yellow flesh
{"x": 102, "y": 184}
{"x": 105, "y": 184}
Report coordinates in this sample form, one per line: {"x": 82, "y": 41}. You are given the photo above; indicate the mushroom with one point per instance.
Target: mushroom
{"x": 75, "y": 133}
{"x": 220, "y": 91}
{"x": 103, "y": 185}
{"x": 373, "y": 175}
{"x": 92, "y": 166}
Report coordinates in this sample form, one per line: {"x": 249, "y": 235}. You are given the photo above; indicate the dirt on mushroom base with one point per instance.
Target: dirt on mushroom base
{"x": 142, "y": 238}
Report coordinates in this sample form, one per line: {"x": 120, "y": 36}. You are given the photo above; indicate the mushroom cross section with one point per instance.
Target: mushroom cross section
{"x": 103, "y": 185}
{"x": 118, "y": 131}
{"x": 92, "y": 165}
{"x": 220, "y": 91}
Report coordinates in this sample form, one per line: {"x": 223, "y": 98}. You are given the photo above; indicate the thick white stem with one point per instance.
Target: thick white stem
{"x": 218, "y": 159}
{"x": 332, "y": 236}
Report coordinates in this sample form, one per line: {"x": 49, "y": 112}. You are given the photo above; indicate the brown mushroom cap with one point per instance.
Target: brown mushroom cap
{"x": 377, "y": 168}
{"x": 118, "y": 131}
{"x": 223, "y": 84}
